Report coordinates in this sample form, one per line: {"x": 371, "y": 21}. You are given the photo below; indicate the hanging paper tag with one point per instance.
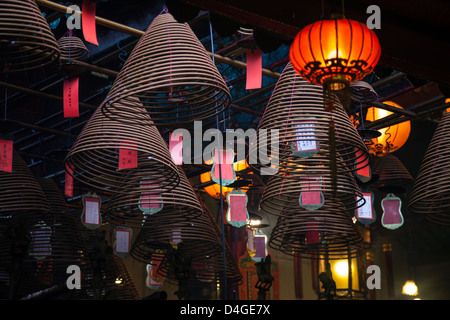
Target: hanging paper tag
{"x": 176, "y": 147}
{"x": 305, "y": 144}
{"x": 392, "y": 217}
{"x": 150, "y": 201}
{"x": 88, "y": 21}
{"x": 251, "y": 242}
{"x": 260, "y": 247}
{"x": 176, "y": 236}
{"x": 222, "y": 169}
{"x": 365, "y": 213}
{"x": 128, "y": 157}
{"x": 6, "y": 155}
{"x": 150, "y": 281}
{"x": 70, "y": 97}
{"x": 91, "y": 216}
{"x": 311, "y": 196}
{"x": 122, "y": 242}
{"x": 313, "y": 234}
{"x": 40, "y": 241}
{"x": 363, "y": 171}
{"x": 237, "y": 214}
{"x": 254, "y": 69}
{"x": 68, "y": 182}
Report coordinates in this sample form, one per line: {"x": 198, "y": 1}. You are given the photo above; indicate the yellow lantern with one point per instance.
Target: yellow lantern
{"x": 214, "y": 189}
{"x": 393, "y": 137}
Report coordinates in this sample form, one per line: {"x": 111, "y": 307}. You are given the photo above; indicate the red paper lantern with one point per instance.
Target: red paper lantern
{"x": 335, "y": 52}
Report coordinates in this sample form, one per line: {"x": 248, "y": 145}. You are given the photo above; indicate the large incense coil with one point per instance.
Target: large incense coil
{"x": 172, "y": 74}
{"x": 72, "y": 48}
{"x": 94, "y": 156}
{"x": 296, "y": 102}
{"x": 337, "y": 231}
{"x": 201, "y": 240}
{"x": 20, "y": 193}
{"x": 27, "y": 41}
{"x": 431, "y": 187}
{"x": 65, "y": 238}
{"x": 124, "y": 209}
{"x": 391, "y": 172}
{"x": 282, "y": 195}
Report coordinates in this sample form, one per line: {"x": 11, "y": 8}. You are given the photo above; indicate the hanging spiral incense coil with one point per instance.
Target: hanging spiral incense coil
{"x": 27, "y": 41}
{"x": 170, "y": 71}
{"x": 94, "y": 156}
{"x": 328, "y": 230}
{"x": 431, "y": 187}
{"x": 294, "y": 115}
{"x": 72, "y": 48}
{"x": 20, "y": 193}
{"x": 391, "y": 172}
{"x": 200, "y": 238}
{"x": 361, "y": 91}
{"x": 129, "y": 209}
{"x": 282, "y": 195}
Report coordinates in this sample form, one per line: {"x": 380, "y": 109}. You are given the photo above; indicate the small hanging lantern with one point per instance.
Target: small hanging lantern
{"x": 333, "y": 53}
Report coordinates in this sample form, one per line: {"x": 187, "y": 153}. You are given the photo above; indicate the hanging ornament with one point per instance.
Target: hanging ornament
{"x": 237, "y": 214}
{"x": 150, "y": 201}
{"x": 311, "y": 196}
{"x": 222, "y": 170}
{"x": 366, "y": 213}
{"x": 392, "y": 217}
{"x": 260, "y": 246}
{"x": 91, "y": 216}
{"x": 333, "y": 53}
{"x": 122, "y": 243}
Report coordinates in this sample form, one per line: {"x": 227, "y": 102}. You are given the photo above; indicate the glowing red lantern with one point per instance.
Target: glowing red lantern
{"x": 333, "y": 53}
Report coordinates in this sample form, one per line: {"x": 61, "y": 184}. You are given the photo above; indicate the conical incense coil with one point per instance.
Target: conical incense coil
{"x": 282, "y": 196}
{"x": 328, "y": 230}
{"x": 172, "y": 74}
{"x": 133, "y": 208}
{"x": 94, "y": 156}
{"x": 295, "y": 125}
{"x": 432, "y": 185}
{"x": 27, "y": 41}
{"x": 391, "y": 172}
{"x": 72, "y": 48}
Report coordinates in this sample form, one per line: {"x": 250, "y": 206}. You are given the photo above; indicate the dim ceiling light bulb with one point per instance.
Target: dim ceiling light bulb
{"x": 410, "y": 288}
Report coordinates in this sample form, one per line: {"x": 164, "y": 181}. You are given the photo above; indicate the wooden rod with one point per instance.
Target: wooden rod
{"x": 138, "y": 33}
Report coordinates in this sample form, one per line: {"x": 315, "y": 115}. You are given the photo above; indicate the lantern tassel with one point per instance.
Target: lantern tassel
{"x": 332, "y": 159}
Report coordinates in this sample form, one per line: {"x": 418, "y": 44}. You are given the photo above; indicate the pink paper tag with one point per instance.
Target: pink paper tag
{"x": 254, "y": 69}
{"x": 238, "y": 207}
{"x": 68, "y": 182}
{"x": 70, "y": 92}
{"x": 360, "y": 171}
{"x": 150, "y": 199}
{"x": 260, "y": 247}
{"x": 310, "y": 189}
{"x": 224, "y": 163}
{"x": 176, "y": 147}
{"x": 6, "y": 155}
{"x": 391, "y": 212}
{"x": 127, "y": 157}
{"x": 88, "y": 21}
{"x": 312, "y": 236}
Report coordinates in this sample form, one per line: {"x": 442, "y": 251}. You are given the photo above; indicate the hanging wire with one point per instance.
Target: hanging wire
{"x": 225, "y": 290}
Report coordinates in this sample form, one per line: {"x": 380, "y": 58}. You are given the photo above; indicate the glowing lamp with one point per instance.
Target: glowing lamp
{"x": 393, "y": 137}
{"x": 410, "y": 288}
{"x": 335, "y": 52}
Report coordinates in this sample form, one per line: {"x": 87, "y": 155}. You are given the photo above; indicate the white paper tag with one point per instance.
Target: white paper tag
{"x": 122, "y": 241}
{"x": 92, "y": 211}
{"x": 305, "y": 131}
{"x": 365, "y": 211}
